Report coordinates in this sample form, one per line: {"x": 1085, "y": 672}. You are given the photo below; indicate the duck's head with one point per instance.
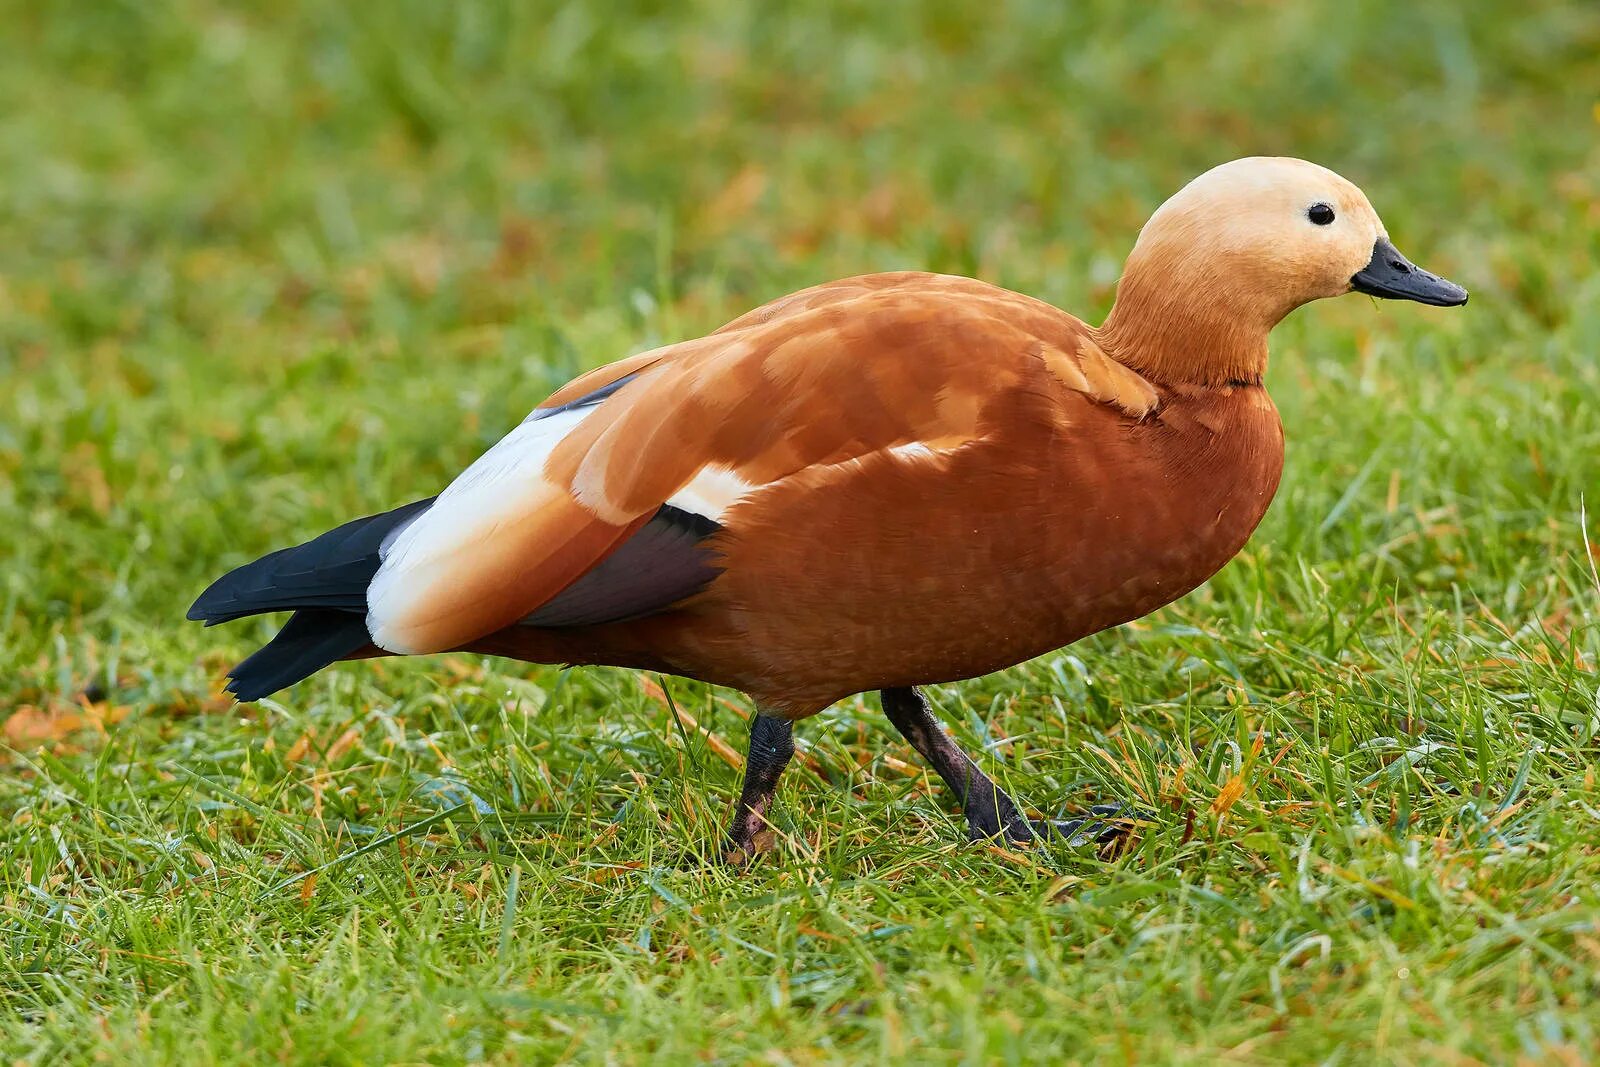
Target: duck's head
{"x": 1241, "y": 246}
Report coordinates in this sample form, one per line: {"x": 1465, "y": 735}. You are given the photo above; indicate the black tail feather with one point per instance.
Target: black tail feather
{"x": 308, "y": 642}
{"x": 324, "y": 582}
{"x": 330, "y": 571}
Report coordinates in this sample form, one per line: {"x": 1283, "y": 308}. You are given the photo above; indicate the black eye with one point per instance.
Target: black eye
{"x": 1321, "y": 214}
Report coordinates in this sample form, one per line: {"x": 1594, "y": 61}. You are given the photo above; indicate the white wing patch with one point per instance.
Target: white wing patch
{"x": 495, "y": 490}
{"x": 913, "y": 450}
{"x": 715, "y": 489}
{"x": 711, "y": 492}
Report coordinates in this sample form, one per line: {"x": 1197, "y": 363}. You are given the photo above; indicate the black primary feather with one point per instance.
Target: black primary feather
{"x": 330, "y": 571}
{"x": 324, "y": 582}
{"x": 308, "y": 642}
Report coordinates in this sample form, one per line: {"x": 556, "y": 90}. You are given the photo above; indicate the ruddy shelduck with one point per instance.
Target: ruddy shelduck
{"x": 878, "y": 483}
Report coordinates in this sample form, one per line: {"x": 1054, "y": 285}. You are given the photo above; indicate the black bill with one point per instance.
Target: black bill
{"x": 1394, "y": 276}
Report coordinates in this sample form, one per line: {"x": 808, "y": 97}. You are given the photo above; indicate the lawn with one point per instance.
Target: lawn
{"x": 265, "y": 267}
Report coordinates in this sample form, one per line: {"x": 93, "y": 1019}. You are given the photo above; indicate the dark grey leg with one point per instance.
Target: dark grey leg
{"x": 771, "y": 747}
{"x": 989, "y": 811}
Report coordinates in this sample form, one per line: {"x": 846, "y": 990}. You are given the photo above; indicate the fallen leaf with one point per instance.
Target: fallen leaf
{"x": 1229, "y": 795}
{"x": 346, "y": 742}
{"x": 29, "y": 725}
{"x": 297, "y": 751}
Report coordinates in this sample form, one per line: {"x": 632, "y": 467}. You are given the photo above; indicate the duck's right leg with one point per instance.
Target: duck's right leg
{"x": 989, "y": 810}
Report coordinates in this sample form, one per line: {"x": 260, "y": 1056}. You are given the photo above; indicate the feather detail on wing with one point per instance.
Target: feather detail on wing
{"x": 499, "y": 540}
{"x": 901, "y": 367}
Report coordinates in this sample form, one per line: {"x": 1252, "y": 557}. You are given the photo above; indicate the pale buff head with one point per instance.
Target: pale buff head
{"x": 1238, "y": 248}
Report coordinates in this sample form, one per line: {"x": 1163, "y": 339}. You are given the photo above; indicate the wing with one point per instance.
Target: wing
{"x": 571, "y": 518}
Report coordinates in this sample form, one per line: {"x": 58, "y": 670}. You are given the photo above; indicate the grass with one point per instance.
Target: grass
{"x": 265, "y": 267}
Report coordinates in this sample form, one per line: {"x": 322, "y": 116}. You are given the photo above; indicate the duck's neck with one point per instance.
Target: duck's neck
{"x": 1176, "y": 328}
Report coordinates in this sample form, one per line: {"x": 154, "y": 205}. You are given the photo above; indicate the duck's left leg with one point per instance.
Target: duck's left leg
{"x": 771, "y": 748}
{"x": 989, "y": 810}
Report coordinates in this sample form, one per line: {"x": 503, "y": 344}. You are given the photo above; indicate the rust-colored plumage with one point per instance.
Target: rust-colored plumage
{"x": 876, "y": 483}
{"x": 917, "y": 515}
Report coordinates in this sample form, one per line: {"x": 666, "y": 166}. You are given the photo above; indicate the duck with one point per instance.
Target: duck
{"x": 885, "y": 482}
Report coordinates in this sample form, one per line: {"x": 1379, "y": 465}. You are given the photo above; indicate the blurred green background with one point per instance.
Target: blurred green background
{"x": 264, "y": 267}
